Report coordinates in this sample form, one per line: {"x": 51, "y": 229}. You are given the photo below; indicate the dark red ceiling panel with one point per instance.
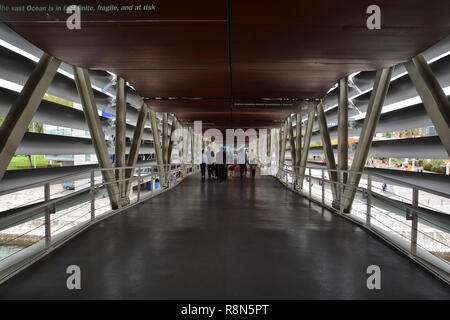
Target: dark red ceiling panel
{"x": 297, "y": 48}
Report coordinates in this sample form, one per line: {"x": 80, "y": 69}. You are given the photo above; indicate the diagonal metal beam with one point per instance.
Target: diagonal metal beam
{"x": 157, "y": 144}
{"x": 86, "y": 94}
{"x": 298, "y": 139}
{"x": 343, "y": 128}
{"x": 433, "y": 97}
{"x": 171, "y": 142}
{"x": 165, "y": 138}
{"x": 379, "y": 92}
{"x": 135, "y": 145}
{"x": 23, "y": 109}
{"x": 292, "y": 141}
{"x": 120, "y": 138}
{"x": 327, "y": 149}
{"x": 283, "y": 140}
{"x": 305, "y": 151}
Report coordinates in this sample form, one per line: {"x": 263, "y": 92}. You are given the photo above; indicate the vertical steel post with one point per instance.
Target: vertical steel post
{"x": 24, "y": 108}
{"x": 373, "y": 114}
{"x": 369, "y": 199}
{"x": 298, "y": 144}
{"x": 310, "y": 185}
{"x": 414, "y": 222}
{"x": 191, "y": 132}
{"x": 48, "y": 232}
{"x": 92, "y": 191}
{"x": 139, "y": 185}
{"x": 433, "y": 96}
{"x": 323, "y": 186}
{"x": 343, "y": 129}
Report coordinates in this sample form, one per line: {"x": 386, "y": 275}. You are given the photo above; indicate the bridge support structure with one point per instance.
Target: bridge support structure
{"x": 433, "y": 97}
{"x": 88, "y": 103}
{"x": 376, "y": 102}
{"x": 24, "y": 108}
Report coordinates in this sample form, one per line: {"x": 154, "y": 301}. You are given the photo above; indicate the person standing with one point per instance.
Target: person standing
{"x": 210, "y": 162}
{"x": 203, "y": 161}
{"x": 241, "y": 160}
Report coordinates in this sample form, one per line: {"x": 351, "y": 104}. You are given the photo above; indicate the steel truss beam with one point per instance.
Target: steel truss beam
{"x": 283, "y": 139}
{"x": 157, "y": 144}
{"x": 305, "y": 150}
{"x": 292, "y": 140}
{"x": 327, "y": 149}
{"x": 379, "y": 92}
{"x": 165, "y": 138}
{"x": 86, "y": 94}
{"x": 171, "y": 142}
{"x": 23, "y": 109}
{"x": 433, "y": 97}
{"x": 298, "y": 140}
{"x": 135, "y": 145}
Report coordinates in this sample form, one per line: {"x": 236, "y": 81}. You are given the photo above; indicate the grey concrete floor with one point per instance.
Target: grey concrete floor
{"x": 249, "y": 239}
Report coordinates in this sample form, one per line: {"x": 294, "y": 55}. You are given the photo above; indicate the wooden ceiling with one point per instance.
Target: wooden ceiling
{"x": 229, "y": 51}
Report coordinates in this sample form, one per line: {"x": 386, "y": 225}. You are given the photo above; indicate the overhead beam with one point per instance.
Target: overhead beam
{"x": 305, "y": 151}
{"x": 23, "y": 109}
{"x": 120, "y": 138}
{"x": 433, "y": 97}
{"x": 376, "y": 102}
{"x": 88, "y": 103}
{"x": 135, "y": 145}
{"x": 327, "y": 149}
{"x": 343, "y": 128}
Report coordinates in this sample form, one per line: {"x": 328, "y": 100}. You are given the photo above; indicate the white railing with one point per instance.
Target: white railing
{"x": 421, "y": 232}
{"x": 33, "y": 228}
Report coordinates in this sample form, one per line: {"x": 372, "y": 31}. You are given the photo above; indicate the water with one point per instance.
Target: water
{"x": 7, "y": 250}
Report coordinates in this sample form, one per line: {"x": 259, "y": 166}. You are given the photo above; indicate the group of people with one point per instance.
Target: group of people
{"x": 217, "y": 166}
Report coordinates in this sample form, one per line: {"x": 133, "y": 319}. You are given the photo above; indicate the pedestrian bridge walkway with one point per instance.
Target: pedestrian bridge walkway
{"x": 239, "y": 239}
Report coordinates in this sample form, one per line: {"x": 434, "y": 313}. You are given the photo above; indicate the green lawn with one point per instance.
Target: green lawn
{"x": 21, "y": 162}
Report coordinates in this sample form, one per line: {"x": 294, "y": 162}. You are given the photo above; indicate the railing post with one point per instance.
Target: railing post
{"x": 323, "y": 187}
{"x": 414, "y": 222}
{"x": 139, "y": 185}
{"x": 48, "y": 234}
{"x": 92, "y": 194}
{"x": 369, "y": 199}
{"x": 310, "y": 185}
{"x": 120, "y": 189}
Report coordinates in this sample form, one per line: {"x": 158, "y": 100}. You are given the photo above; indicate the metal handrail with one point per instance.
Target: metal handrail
{"x": 413, "y": 211}
{"x": 14, "y": 263}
